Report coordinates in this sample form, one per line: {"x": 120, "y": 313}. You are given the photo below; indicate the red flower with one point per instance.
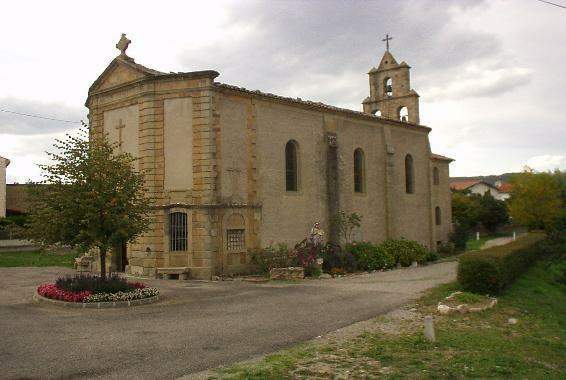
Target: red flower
{"x": 53, "y": 292}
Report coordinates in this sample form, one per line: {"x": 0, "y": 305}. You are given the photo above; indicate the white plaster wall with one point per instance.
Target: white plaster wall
{"x": 178, "y": 143}
{"x": 3, "y": 164}
{"x": 130, "y": 133}
{"x": 481, "y": 189}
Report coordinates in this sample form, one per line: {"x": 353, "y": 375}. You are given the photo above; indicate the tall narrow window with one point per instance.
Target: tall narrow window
{"x": 359, "y": 171}
{"x": 178, "y": 231}
{"x": 437, "y": 216}
{"x": 409, "y": 175}
{"x": 435, "y": 176}
{"x": 291, "y": 166}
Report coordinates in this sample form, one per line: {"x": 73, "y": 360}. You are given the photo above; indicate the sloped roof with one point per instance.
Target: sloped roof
{"x": 316, "y": 105}
{"x": 463, "y": 185}
{"x": 505, "y": 187}
{"x": 440, "y": 158}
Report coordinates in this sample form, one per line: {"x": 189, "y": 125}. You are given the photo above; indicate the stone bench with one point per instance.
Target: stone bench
{"x": 182, "y": 272}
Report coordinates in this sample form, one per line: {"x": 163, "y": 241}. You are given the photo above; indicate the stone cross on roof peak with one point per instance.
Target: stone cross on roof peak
{"x": 123, "y": 44}
{"x": 386, "y": 40}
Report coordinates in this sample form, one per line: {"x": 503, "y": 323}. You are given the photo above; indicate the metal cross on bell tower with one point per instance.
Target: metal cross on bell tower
{"x": 386, "y": 40}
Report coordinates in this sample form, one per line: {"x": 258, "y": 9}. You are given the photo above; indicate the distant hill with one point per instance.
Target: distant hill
{"x": 491, "y": 179}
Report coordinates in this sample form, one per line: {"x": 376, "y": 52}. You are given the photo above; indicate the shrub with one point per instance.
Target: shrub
{"x": 492, "y": 270}
{"x": 459, "y": 236}
{"x": 96, "y": 284}
{"x": 306, "y": 254}
{"x": 405, "y": 251}
{"x": 271, "y": 257}
{"x": 136, "y": 292}
{"x": 370, "y": 256}
{"x": 432, "y": 256}
{"x": 336, "y": 258}
{"x": 447, "y": 249}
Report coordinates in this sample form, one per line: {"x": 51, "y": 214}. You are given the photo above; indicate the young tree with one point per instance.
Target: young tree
{"x": 536, "y": 199}
{"x": 347, "y": 224}
{"x": 90, "y": 197}
{"x": 493, "y": 212}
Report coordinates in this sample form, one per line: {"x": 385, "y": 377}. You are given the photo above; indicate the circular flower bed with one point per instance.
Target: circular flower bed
{"x": 93, "y": 289}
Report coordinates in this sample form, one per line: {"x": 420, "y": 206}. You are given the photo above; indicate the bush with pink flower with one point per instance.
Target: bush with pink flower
{"x": 88, "y": 288}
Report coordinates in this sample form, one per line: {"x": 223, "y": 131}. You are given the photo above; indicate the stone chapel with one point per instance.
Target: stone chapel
{"x": 233, "y": 169}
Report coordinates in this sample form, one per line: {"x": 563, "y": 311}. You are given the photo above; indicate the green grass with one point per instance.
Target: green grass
{"x": 475, "y": 245}
{"x": 480, "y": 345}
{"x": 36, "y": 259}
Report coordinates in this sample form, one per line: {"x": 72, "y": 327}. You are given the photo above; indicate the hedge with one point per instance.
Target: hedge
{"x": 492, "y": 270}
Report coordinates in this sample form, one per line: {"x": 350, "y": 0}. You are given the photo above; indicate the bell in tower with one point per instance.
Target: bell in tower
{"x": 391, "y": 95}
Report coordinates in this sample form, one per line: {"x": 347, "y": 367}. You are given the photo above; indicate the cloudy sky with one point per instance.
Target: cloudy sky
{"x": 491, "y": 74}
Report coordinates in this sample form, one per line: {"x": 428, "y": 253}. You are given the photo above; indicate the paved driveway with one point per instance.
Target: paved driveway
{"x": 197, "y": 325}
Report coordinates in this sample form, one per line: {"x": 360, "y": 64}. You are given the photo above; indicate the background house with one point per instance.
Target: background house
{"x": 500, "y": 191}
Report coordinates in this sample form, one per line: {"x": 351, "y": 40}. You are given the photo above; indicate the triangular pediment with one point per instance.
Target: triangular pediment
{"x": 121, "y": 71}
{"x": 387, "y": 62}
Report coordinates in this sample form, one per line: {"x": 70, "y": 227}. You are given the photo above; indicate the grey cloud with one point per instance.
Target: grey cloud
{"x": 15, "y": 124}
{"x": 298, "y": 48}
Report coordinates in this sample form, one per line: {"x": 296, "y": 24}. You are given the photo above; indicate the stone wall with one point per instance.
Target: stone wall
{"x": 286, "y": 217}
{"x": 3, "y": 163}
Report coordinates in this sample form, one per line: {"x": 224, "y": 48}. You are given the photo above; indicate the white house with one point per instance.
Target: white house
{"x": 4, "y": 162}
{"x": 500, "y": 192}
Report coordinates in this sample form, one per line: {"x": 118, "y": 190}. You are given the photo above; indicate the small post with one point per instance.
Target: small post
{"x": 514, "y": 235}
{"x": 477, "y": 235}
{"x": 429, "y": 329}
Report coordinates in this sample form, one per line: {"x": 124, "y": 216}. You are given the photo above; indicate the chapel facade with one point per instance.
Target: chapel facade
{"x": 233, "y": 169}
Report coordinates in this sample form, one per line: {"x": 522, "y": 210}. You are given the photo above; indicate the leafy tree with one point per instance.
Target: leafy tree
{"x": 90, "y": 197}
{"x": 537, "y": 199}
{"x": 465, "y": 208}
{"x": 492, "y": 212}
{"x": 347, "y": 224}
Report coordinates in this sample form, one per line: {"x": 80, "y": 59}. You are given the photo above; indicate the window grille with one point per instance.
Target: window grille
{"x": 178, "y": 231}
{"x": 235, "y": 240}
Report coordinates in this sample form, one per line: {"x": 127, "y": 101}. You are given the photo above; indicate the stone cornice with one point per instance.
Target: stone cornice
{"x": 322, "y": 107}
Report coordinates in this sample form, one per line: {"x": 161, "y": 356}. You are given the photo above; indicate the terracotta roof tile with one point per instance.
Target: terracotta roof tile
{"x": 440, "y": 158}
{"x": 505, "y": 188}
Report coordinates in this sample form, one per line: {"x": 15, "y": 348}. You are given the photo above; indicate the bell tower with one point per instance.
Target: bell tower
{"x": 391, "y": 95}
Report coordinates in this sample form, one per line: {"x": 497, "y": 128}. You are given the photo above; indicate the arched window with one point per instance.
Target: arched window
{"x": 404, "y": 114}
{"x": 437, "y": 216}
{"x": 359, "y": 171}
{"x": 409, "y": 175}
{"x": 388, "y": 86}
{"x": 377, "y": 113}
{"x": 291, "y": 166}
{"x": 435, "y": 176}
{"x": 178, "y": 231}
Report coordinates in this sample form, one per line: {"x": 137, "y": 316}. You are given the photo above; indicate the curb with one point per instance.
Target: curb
{"x": 95, "y": 305}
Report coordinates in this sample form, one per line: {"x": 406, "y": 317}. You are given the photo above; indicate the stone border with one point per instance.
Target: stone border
{"x": 94, "y": 305}
{"x": 463, "y": 308}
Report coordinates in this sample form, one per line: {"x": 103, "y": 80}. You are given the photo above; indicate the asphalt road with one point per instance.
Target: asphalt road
{"x": 196, "y": 326}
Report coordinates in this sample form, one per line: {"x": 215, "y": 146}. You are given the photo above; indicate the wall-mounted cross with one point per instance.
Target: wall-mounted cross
{"x": 386, "y": 40}
{"x": 234, "y": 174}
{"x": 120, "y": 127}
